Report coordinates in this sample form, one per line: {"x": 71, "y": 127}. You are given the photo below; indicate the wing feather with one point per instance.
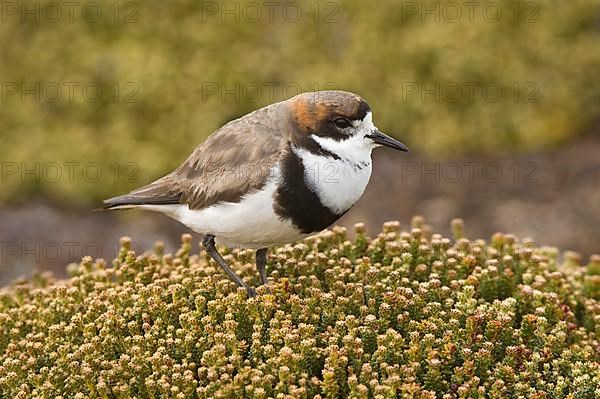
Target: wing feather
{"x": 236, "y": 159}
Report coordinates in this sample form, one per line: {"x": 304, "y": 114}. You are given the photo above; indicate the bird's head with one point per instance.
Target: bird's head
{"x": 338, "y": 119}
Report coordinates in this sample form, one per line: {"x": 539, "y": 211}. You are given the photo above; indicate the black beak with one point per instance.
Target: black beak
{"x": 383, "y": 139}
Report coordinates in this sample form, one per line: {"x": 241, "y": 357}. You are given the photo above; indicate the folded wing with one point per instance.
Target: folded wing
{"x": 235, "y": 160}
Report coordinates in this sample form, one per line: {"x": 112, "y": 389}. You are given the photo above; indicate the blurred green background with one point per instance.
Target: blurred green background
{"x": 100, "y": 97}
{"x": 172, "y": 72}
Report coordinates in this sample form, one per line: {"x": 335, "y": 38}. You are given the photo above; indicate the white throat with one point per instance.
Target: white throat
{"x": 339, "y": 183}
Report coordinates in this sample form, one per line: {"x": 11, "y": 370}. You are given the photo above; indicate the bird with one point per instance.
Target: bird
{"x": 274, "y": 176}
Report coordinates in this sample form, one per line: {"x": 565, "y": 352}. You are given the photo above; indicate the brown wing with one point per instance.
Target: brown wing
{"x": 234, "y": 160}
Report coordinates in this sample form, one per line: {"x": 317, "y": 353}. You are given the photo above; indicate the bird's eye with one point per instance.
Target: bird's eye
{"x": 341, "y": 123}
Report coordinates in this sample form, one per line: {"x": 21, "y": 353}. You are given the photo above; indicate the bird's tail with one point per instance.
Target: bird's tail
{"x": 158, "y": 193}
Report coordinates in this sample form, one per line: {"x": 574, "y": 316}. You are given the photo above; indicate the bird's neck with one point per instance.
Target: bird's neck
{"x": 340, "y": 179}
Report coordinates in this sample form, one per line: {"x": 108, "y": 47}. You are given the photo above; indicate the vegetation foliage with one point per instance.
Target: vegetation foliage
{"x": 168, "y": 57}
{"x": 402, "y": 314}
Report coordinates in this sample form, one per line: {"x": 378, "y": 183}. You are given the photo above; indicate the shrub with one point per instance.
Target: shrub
{"x": 403, "y": 314}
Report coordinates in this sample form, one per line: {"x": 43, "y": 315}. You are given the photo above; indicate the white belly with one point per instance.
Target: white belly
{"x": 250, "y": 223}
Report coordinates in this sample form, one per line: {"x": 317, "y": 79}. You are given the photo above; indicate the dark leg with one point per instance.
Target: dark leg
{"x": 261, "y": 263}
{"x": 209, "y": 243}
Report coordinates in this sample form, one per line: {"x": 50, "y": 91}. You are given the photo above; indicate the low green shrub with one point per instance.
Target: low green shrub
{"x": 403, "y": 314}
